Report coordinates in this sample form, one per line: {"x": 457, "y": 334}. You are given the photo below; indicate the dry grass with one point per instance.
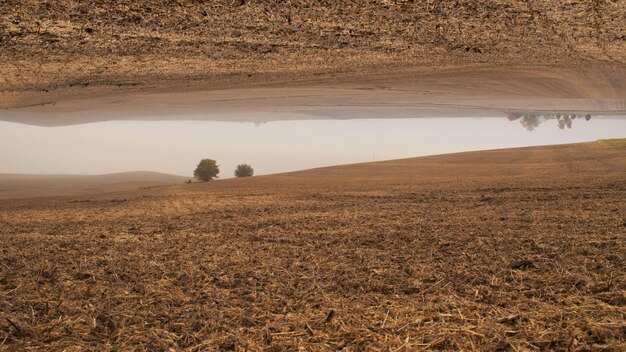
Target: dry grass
{"x": 503, "y": 250}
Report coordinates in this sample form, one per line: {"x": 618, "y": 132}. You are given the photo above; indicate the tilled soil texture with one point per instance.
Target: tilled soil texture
{"x": 519, "y": 249}
{"x": 50, "y": 45}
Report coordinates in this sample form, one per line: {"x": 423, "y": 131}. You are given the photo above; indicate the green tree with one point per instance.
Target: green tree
{"x": 206, "y": 170}
{"x": 244, "y": 170}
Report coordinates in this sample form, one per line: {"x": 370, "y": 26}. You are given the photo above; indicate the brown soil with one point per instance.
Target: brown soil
{"x": 57, "y": 48}
{"x": 519, "y": 249}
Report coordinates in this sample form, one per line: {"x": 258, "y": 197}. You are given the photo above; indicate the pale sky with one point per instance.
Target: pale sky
{"x": 175, "y": 147}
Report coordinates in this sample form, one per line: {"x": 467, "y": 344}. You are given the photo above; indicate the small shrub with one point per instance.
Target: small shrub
{"x": 244, "y": 170}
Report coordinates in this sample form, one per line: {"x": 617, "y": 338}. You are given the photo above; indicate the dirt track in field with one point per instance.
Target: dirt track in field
{"x": 519, "y": 249}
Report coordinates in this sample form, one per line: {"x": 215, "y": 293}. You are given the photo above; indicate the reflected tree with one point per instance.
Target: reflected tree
{"x": 532, "y": 120}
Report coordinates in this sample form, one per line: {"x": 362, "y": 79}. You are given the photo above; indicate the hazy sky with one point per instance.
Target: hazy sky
{"x": 176, "y": 146}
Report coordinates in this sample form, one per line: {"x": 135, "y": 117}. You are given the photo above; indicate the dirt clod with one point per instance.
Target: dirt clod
{"x": 523, "y": 265}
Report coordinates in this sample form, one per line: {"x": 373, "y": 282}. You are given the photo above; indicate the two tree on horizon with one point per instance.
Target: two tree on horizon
{"x": 208, "y": 169}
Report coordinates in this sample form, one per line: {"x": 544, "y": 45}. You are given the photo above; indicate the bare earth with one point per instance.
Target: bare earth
{"x": 518, "y": 249}
{"x": 56, "y": 49}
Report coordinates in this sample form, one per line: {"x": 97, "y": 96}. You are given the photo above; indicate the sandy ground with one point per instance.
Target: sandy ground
{"x": 31, "y": 186}
{"x": 518, "y": 249}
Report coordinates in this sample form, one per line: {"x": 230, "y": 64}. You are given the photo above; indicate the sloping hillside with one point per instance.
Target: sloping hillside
{"x": 28, "y": 186}
{"x": 517, "y": 249}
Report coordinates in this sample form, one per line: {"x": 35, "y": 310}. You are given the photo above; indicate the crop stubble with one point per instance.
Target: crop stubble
{"x": 518, "y": 249}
